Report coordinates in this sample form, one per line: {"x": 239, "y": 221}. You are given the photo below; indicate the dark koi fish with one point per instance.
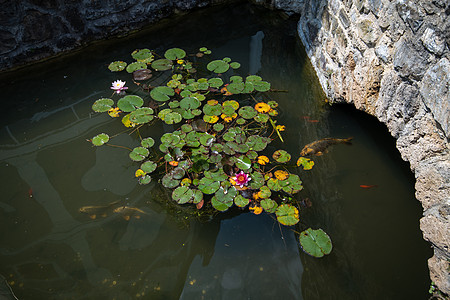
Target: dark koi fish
{"x": 128, "y": 212}
{"x": 98, "y": 210}
{"x": 320, "y": 146}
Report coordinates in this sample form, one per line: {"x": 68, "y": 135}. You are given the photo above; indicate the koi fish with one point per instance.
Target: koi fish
{"x": 312, "y": 121}
{"x": 367, "y": 186}
{"x": 320, "y": 146}
{"x": 128, "y": 212}
{"x": 98, "y": 210}
{"x": 30, "y": 193}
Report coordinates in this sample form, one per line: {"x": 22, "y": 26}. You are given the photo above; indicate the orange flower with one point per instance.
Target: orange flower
{"x": 256, "y": 210}
{"x": 173, "y": 163}
{"x": 262, "y": 107}
{"x": 280, "y": 127}
{"x": 263, "y": 160}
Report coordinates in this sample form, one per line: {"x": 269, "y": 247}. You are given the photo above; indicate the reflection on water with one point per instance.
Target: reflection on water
{"x": 49, "y": 250}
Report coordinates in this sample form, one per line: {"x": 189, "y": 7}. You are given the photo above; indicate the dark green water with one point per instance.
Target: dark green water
{"x": 48, "y": 250}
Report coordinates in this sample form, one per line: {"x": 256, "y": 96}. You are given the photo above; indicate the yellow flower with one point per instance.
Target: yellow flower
{"x": 228, "y": 119}
{"x": 114, "y": 112}
{"x": 180, "y": 61}
{"x": 281, "y": 174}
{"x": 280, "y": 127}
{"x": 139, "y": 173}
{"x": 263, "y": 160}
{"x": 232, "y": 181}
{"x": 262, "y": 107}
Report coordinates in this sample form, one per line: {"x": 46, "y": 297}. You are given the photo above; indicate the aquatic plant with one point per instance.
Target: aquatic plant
{"x": 216, "y": 156}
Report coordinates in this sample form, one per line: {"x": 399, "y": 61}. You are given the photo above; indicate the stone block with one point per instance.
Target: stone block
{"x": 408, "y": 61}
{"x": 433, "y": 41}
{"x": 435, "y": 90}
{"x": 368, "y": 31}
{"x": 411, "y": 14}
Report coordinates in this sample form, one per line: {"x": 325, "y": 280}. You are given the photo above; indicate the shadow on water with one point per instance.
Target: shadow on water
{"x": 49, "y": 250}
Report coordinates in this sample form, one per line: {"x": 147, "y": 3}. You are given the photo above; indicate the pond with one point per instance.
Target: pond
{"x": 362, "y": 194}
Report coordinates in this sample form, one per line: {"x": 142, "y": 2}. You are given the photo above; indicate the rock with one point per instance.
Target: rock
{"x": 408, "y": 61}
{"x": 368, "y": 31}
{"x": 411, "y": 13}
{"x": 8, "y": 43}
{"x": 439, "y": 266}
{"x": 436, "y": 93}
{"x": 436, "y": 231}
{"x": 433, "y": 41}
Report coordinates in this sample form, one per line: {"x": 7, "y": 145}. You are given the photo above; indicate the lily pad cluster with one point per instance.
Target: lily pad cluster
{"x": 217, "y": 155}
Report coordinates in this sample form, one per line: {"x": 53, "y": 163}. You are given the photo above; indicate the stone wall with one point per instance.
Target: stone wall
{"x": 31, "y": 30}
{"x": 390, "y": 58}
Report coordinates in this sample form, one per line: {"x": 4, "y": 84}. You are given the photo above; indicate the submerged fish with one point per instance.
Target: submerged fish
{"x": 128, "y": 212}
{"x": 98, "y": 210}
{"x": 319, "y": 147}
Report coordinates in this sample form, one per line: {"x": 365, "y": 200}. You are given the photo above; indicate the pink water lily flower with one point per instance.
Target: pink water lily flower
{"x": 118, "y": 86}
{"x": 241, "y": 179}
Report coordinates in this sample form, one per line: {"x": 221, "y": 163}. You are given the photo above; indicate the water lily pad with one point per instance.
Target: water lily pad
{"x": 146, "y": 179}
{"x": 315, "y": 242}
{"x": 162, "y": 93}
{"x": 261, "y": 86}
{"x": 149, "y": 166}
{"x": 262, "y": 118}
{"x": 175, "y": 53}
{"x": 248, "y": 88}
{"x": 139, "y": 154}
{"x": 248, "y": 112}
{"x": 218, "y": 66}
{"x": 142, "y": 74}
{"x": 218, "y": 127}
{"x": 177, "y": 173}
{"x": 208, "y": 186}
{"x": 269, "y": 205}
{"x": 207, "y": 139}
{"x": 236, "y": 87}
{"x": 235, "y": 65}
{"x": 257, "y": 180}
{"x": 100, "y": 139}
{"x": 281, "y": 156}
{"x": 147, "y": 142}
{"x": 305, "y": 162}
{"x": 142, "y": 115}
{"x": 243, "y": 162}
{"x": 182, "y": 194}
{"x": 293, "y": 184}
{"x": 130, "y": 103}
{"x": 228, "y": 111}
{"x": 274, "y": 184}
{"x": 210, "y": 119}
{"x": 220, "y": 206}
{"x": 190, "y": 103}
{"x": 215, "y": 82}
{"x": 264, "y": 192}
{"x": 257, "y": 143}
{"x": 169, "y": 182}
{"x": 143, "y": 55}
{"x": 102, "y": 105}
{"x": 287, "y": 214}
{"x": 186, "y": 128}
{"x": 136, "y": 66}
{"x": 117, "y": 66}
{"x": 172, "y": 118}
{"x": 212, "y": 110}
{"x": 240, "y": 201}
{"x": 162, "y": 64}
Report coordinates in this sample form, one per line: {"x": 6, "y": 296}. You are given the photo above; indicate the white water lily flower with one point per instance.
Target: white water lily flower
{"x": 118, "y": 86}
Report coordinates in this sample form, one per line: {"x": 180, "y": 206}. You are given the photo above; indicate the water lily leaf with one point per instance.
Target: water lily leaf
{"x": 241, "y": 148}
{"x": 235, "y": 65}
{"x": 220, "y": 206}
{"x": 215, "y": 158}
{"x": 226, "y": 59}
{"x": 315, "y": 242}
{"x": 261, "y": 86}
{"x": 148, "y": 166}
{"x": 215, "y": 82}
{"x": 100, "y": 139}
{"x": 212, "y": 110}
{"x": 162, "y": 64}
{"x": 130, "y": 103}
{"x": 240, "y": 121}
{"x": 190, "y": 103}
{"x": 226, "y": 195}
{"x": 170, "y": 139}
{"x": 175, "y": 53}
{"x": 240, "y": 201}
{"x": 117, "y": 66}
{"x": 178, "y": 173}
{"x": 146, "y": 179}
{"x": 264, "y": 192}
{"x": 102, "y": 105}
{"x": 281, "y": 174}
{"x": 147, "y": 142}
{"x": 273, "y": 104}
{"x": 257, "y": 180}
{"x": 169, "y": 182}
{"x": 192, "y": 139}
{"x": 305, "y": 162}
{"x": 252, "y": 154}
{"x": 287, "y": 214}
{"x": 218, "y": 127}
{"x": 198, "y": 196}
{"x": 233, "y": 103}
{"x": 207, "y": 139}
{"x": 136, "y": 66}
{"x": 182, "y": 194}
{"x": 248, "y": 112}
{"x": 294, "y": 184}
{"x": 228, "y": 111}
{"x": 218, "y": 175}
{"x": 274, "y": 184}
{"x": 210, "y": 119}
{"x": 142, "y": 74}
{"x": 243, "y": 162}
{"x": 269, "y": 205}
{"x": 281, "y": 156}
{"x": 208, "y": 186}
{"x": 142, "y": 115}
{"x": 218, "y": 66}
{"x": 162, "y": 93}
{"x": 142, "y": 55}
{"x": 257, "y": 143}
{"x": 217, "y": 148}
{"x": 253, "y": 78}
{"x": 186, "y": 128}
{"x": 248, "y": 88}
{"x": 262, "y": 118}
{"x": 172, "y": 118}
{"x": 235, "y": 87}
{"x": 139, "y": 154}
